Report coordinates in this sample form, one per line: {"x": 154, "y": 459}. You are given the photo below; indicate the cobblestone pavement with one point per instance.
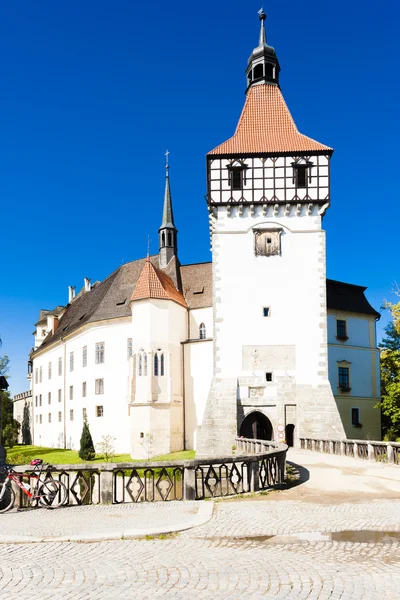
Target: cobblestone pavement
{"x": 99, "y": 522}
{"x": 235, "y": 555}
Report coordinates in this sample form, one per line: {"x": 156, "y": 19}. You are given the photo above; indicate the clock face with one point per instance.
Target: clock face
{"x": 263, "y": 180}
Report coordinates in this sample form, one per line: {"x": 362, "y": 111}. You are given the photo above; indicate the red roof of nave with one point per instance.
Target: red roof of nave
{"x": 266, "y": 126}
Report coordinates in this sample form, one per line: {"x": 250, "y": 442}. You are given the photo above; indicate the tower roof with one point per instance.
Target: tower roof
{"x": 168, "y": 216}
{"x": 153, "y": 283}
{"x": 266, "y": 126}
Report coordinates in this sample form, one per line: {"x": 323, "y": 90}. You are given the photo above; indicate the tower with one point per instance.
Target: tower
{"x": 268, "y": 189}
{"x": 167, "y": 232}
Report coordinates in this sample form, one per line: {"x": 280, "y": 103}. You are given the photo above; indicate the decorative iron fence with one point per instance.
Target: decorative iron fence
{"x": 385, "y": 452}
{"x": 258, "y": 465}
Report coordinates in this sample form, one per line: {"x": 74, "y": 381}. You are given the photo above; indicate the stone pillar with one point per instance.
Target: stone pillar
{"x": 254, "y": 475}
{"x": 371, "y": 454}
{"x": 390, "y": 454}
{"x": 106, "y": 485}
{"x": 189, "y": 483}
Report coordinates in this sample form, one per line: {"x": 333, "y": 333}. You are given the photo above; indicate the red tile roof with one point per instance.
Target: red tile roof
{"x": 153, "y": 283}
{"x": 266, "y": 126}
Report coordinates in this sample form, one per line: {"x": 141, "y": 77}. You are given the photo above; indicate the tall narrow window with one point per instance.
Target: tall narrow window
{"x": 99, "y": 386}
{"x": 71, "y": 392}
{"x": 236, "y": 178}
{"x": 71, "y": 415}
{"x": 129, "y": 348}
{"x": 36, "y": 401}
{"x": 59, "y": 417}
{"x": 156, "y": 365}
{"x": 341, "y": 329}
{"x": 355, "y": 417}
{"x": 145, "y": 364}
{"x": 301, "y": 176}
{"x": 84, "y": 356}
{"x": 40, "y": 399}
{"x": 40, "y": 374}
{"x": 71, "y": 361}
{"x": 60, "y": 366}
{"x": 84, "y": 389}
{"x": 59, "y": 395}
{"x": 99, "y": 353}
{"x": 99, "y": 411}
{"x": 344, "y": 379}
{"x": 202, "y": 331}
{"x": 49, "y": 370}
{"x": 49, "y": 398}
{"x": 36, "y": 375}
{"x": 162, "y": 365}
{"x": 49, "y": 417}
{"x": 84, "y": 414}
{"x": 140, "y": 366}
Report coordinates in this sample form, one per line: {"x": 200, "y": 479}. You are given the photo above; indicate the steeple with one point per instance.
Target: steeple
{"x": 263, "y": 65}
{"x": 167, "y": 232}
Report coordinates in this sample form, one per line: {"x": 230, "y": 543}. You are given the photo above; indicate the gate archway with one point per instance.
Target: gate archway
{"x": 256, "y": 426}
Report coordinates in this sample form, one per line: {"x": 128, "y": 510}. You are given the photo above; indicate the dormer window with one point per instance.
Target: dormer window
{"x": 237, "y": 177}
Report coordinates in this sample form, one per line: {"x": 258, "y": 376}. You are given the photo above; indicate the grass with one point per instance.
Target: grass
{"x": 24, "y": 454}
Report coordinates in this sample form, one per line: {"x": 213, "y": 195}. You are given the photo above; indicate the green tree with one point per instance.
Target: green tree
{"x": 390, "y": 375}
{"x": 86, "y": 450}
{"x": 10, "y": 426}
{"x": 26, "y": 426}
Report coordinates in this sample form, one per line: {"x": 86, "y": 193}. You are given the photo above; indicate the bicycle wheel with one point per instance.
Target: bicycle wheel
{"x": 52, "y": 494}
{"x": 7, "y": 497}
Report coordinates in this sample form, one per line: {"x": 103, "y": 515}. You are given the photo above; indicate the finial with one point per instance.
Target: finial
{"x": 166, "y": 159}
{"x": 263, "y": 37}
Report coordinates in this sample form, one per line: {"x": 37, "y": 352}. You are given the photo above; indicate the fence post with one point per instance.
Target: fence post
{"x": 342, "y": 449}
{"x": 355, "y": 450}
{"x": 106, "y": 484}
{"x": 189, "y": 483}
{"x": 371, "y": 453}
{"x": 390, "y": 454}
{"x": 254, "y": 472}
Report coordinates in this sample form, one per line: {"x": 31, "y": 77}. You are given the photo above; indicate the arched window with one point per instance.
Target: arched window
{"x": 145, "y": 364}
{"x": 202, "y": 331}
{"x": 162, "y": 365}
{"x": 258, "y": 71}
{"x": 269, "y": 71}
{"x": 156, "y": 365}
{"x": 140, "y": 366}
{"x": 169, "y": 238}
{"x": 163, "y": 239}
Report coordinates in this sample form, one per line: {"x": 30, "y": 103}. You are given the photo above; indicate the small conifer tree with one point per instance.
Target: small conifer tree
{"x": 86, "y": 450}
{"x": 26, "y": 426}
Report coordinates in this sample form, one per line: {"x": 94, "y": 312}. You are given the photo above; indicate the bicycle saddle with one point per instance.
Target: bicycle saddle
{"x": 36, "y": 461}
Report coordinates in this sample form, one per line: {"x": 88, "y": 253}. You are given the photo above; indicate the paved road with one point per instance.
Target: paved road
{"x": 235, "y": 555}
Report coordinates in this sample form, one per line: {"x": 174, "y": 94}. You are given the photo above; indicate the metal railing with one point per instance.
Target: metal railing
{"x": 257, "y": 465}
{"x": 384, "y": 452}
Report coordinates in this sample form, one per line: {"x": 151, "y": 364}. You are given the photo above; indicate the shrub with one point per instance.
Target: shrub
{"x": 10, "y": 433}
{"x": 106, "y": 447}
{"x": 86, "y": 450}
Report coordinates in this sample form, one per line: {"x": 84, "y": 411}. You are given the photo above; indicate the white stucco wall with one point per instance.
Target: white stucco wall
{"x": 114, "y": 372}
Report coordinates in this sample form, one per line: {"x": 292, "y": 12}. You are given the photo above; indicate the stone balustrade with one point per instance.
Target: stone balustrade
{"x": 257, "y": 465}
{"x": 385, "y": 452}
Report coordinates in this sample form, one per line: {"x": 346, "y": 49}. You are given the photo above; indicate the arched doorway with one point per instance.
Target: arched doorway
{"x": 289, "y": 431}
{"x": 256, "y": 426}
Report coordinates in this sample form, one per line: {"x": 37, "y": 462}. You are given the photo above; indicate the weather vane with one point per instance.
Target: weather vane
{"x": 148, "y": 246}
{"x": 166, "y": 157}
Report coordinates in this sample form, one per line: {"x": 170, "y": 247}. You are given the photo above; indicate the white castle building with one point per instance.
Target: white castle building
{"x": 257, "y": 342}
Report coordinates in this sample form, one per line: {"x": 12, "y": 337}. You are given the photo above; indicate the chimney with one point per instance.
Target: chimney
{"x": 88, "y": 287}
{"x": 52, "y": 323}
{"x": 71, "y": 293}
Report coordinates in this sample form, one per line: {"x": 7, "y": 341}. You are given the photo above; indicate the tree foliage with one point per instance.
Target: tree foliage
{"x": 86, "y": 450}
{"x": 10, "y": 427}
{"x": 390, "y": 375}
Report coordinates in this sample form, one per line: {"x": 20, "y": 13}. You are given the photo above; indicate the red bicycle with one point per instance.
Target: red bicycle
{"x": 46, "y": 492}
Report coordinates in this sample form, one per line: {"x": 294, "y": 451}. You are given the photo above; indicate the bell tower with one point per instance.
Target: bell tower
{"x": 168, "y": 232}
{"x": 268, "y": 189}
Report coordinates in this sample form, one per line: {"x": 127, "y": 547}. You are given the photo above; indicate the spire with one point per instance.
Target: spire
{"x": 168, "y": 216}
{"x": 167, "y": 231}
{"x": 263, "y": 36}
{"x": 263, "y": 65}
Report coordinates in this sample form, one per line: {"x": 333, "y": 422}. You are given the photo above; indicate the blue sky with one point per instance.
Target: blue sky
{"x": 92, "y": 93}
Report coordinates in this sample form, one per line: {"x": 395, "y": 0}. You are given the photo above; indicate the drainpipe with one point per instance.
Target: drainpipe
{"x": 64, "y": 394}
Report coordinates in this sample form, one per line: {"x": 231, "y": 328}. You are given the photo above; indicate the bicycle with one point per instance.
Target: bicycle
{"x": 47, "y": 492}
